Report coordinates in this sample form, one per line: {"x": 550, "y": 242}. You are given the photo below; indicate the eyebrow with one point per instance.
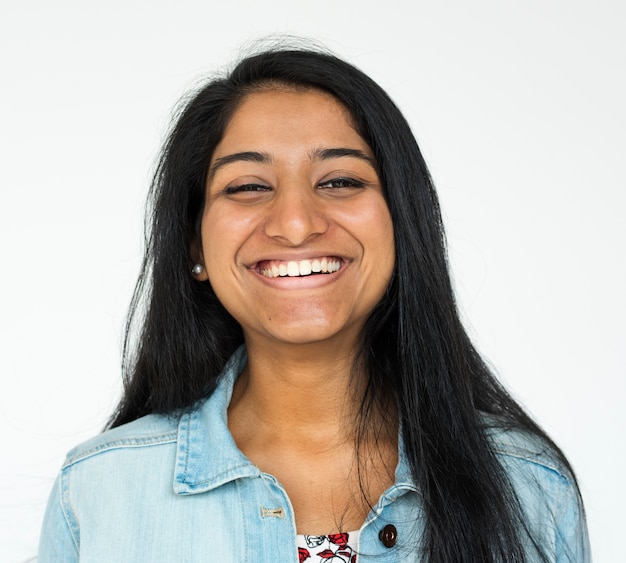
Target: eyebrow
{"x": 327, "y": 154}
{"x": 264, "y": 158}
{"x": 246, "y": 156}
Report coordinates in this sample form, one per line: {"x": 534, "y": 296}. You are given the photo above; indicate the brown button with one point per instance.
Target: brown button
{"x": 389, "y": 535}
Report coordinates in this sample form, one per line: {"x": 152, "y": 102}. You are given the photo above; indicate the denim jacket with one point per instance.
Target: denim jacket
{"x": 177, "y": 489}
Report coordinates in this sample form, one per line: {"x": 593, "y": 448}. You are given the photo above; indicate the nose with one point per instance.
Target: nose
{"x": 296, "y": 215}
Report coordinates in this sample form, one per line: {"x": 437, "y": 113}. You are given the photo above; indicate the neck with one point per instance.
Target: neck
{"x": 309, "y": 392}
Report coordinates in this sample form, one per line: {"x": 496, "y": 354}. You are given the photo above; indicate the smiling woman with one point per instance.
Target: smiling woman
{"x": 298, "y": 383}
{"x": 296, "y": 188}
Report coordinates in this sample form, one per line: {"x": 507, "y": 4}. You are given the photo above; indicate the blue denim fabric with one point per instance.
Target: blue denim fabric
{"x": 177, "y": 489}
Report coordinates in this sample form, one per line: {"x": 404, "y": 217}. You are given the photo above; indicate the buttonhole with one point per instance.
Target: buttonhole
{"x": 272, "y": 512}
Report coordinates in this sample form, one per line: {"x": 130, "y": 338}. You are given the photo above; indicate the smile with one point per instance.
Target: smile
{"x": 298, "y": 268}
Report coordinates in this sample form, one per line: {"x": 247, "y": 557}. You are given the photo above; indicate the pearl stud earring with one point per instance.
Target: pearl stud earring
{"x": 196, "y": 270}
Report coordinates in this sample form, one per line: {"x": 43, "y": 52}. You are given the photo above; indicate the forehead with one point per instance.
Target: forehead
{"x": 290, "y": 98}
{"x": 289, "y": 116}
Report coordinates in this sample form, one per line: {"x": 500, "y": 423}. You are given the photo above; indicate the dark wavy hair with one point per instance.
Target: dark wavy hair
{"x": 414, "y": 347}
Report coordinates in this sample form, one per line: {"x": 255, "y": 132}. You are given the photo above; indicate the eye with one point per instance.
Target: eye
{"x": 249, "y": 192}
{"x": 341, "y": 182}
{"x": 230, "y": 190}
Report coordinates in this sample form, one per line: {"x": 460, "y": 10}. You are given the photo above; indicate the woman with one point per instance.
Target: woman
{"x": 301, "y": 387}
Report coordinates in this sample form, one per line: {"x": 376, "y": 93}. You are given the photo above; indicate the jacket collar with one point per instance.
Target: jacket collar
{"x": 207, "y": 456}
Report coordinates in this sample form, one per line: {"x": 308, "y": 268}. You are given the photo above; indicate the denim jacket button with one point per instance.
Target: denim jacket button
{"x": 388, "y": 535}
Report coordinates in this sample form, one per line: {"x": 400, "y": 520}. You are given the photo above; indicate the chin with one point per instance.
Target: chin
{"x": 303, "y": 337}
{"x": 317, "y": 334}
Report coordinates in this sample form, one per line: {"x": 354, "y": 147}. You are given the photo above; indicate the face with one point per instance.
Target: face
{"x": 296, "y": 237}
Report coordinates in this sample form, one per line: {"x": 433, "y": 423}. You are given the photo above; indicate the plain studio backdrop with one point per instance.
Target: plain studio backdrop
{"x": 518, "y": 108}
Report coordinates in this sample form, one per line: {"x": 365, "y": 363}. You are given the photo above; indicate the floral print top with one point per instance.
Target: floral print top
{"x": 333, "y": 548}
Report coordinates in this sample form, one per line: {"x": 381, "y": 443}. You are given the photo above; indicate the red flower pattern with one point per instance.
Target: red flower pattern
{"x": 334, "y": 548}
{"x": 338, "y": 539}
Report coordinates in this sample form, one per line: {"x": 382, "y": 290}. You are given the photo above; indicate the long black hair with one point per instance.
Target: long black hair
{"x": 179, "y": 336}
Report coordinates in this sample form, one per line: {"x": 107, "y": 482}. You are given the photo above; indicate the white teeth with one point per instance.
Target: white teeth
{"x": 294, "y": 268}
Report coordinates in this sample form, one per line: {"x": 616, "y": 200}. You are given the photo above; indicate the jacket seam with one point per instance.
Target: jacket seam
{"x": 187, "y": 422}
{"x": 535, "y": 460}
{"x": 563, "y": 495}
{"x": 217, "y": 476}
{"x": 68, "y": 512}
{"x": 120, "y": 444}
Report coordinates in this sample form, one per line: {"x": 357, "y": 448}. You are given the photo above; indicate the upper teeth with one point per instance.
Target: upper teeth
{"x": 295, "y": 268}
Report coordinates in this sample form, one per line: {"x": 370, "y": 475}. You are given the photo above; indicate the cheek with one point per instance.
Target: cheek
{"x": 383, "y": 227}
{"x": 373, "y": 227}
{"x": 225, "y": 232}
{"x": 221, "y": 274}
{"x": 380, "y": 245}
{"x": 216, "y": 246}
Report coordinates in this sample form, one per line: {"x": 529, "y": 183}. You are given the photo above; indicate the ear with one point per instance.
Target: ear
{"x": 196, "y": 259}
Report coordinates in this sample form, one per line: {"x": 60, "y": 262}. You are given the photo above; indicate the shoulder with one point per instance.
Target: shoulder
{"x": 545, "y": 487}
{"x": 518, "y": 446}
{"x": 149, "y": 431}
{"x": 536, "y": 469}
{"x": 539, "y": 474}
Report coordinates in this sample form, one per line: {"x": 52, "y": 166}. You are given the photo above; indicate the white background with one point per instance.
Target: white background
{"x": 518, "y": 107}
